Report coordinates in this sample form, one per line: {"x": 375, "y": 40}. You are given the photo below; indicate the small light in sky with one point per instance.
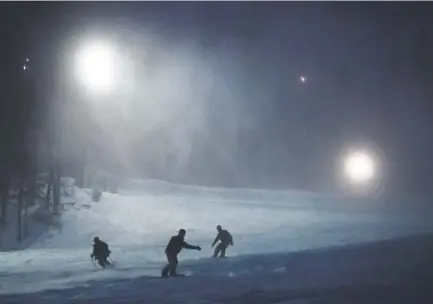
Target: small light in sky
{"x": 26, "y": 64}
{"x": 303, "y": 79}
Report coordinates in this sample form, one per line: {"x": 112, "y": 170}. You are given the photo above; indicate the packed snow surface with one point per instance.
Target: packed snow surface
{"x": 289, "y": 247}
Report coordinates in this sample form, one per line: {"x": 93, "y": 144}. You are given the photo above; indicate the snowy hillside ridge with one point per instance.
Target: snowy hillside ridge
{"x": 144, "y": 220}
{"x": 373, "y": 273}
{"x": 163, "y": 187}
{"x": 332, "y": 202}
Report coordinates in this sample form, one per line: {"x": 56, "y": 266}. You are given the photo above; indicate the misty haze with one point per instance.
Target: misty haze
{"x": 263, "y": 152}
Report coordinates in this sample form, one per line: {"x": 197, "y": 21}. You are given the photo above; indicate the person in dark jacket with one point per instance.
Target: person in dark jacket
{"x": 225, "y": 239}
{"x": 173, "y": 248}
{"x": 100, "y": 252}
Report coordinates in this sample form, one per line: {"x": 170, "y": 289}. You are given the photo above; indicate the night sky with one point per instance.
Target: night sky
{"x": 244, "y": 119}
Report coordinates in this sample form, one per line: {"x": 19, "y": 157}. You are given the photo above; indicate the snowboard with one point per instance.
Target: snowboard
{"x": 176, "y": 276}
{"x": 179, "y": 275}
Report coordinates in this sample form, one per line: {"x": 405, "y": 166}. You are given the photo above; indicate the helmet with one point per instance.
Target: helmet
{"x": 182, "y": 231}
{"x": 96, "y": 239}
{"x": 219, "y": 227}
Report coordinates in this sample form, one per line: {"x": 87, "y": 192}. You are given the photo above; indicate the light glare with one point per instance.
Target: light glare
{"x": 359, "y": 167}
{"x": 96, "y": 66}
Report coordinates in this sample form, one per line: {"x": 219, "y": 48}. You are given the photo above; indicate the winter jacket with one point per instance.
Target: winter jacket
{"x": 225, "y": 237}
{"x": 176, "y": 244}
{"x": 100, "y": 249}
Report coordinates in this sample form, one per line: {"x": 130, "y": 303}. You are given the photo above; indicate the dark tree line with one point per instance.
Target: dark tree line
{"x": 43, "y": 126}
{"x": 27, "y": 146}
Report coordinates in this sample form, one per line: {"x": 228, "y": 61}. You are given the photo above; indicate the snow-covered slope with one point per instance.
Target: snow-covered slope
{"x": 267, "y": 233}
{"x": 397, "y": 271}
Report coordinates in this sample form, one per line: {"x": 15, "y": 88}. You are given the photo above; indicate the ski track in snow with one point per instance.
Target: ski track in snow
{"x": 287, "y": 251}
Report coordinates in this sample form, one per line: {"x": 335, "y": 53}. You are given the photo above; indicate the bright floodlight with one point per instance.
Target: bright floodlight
{"x": 96, "y": 66}
{"x": 359, "y": 167}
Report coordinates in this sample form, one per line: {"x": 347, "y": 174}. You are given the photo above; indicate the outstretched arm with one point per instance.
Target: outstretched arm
{"x": 188, "y": 246}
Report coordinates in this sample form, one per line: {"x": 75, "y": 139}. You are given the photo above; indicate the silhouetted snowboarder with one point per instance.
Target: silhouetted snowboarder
{"x": 226, "y": 239}
{"x": 173, "y": 248}
{"x": 100, "y": 252}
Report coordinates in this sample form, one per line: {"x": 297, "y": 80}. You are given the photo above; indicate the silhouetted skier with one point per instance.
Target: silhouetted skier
{"x": 172, "y": 250}
{"x": 226, "y": 239}
{"x": 100, "y": 252}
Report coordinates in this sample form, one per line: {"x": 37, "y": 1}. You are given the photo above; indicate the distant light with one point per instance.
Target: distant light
{"x": 303, "y": 79}
{"x": 359, "y": 167}
{"x": 26, "y": 64}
